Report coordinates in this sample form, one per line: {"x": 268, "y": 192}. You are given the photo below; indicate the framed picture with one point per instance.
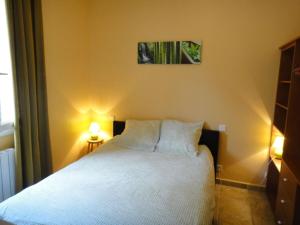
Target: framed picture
{"x": 169, "y": 52}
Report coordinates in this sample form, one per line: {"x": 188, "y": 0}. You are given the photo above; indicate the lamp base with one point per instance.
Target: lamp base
{"x": 94, "y": 137}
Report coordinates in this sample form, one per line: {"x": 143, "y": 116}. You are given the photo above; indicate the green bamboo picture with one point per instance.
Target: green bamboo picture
{"x": 169, "y": 52}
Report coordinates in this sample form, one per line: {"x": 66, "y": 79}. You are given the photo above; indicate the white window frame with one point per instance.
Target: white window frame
{"x": 7, "y": 103}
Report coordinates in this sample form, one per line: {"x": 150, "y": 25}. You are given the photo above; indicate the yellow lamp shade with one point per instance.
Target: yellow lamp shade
{"x": 278, "y": 146}
{"x": 94, "y": 130}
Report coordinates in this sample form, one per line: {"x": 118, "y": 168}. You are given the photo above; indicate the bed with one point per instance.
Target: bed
{"x": 119, "y": 186}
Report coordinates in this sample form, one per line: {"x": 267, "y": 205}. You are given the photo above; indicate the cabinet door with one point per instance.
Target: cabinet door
{"x": 272, "y": 184}
{"x": 285, "y": 206}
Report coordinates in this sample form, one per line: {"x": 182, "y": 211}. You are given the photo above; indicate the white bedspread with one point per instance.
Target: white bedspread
{"x": 117, "y": 186}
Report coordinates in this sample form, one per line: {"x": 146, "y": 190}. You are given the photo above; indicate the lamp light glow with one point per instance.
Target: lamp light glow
{"x": 94, "y": 130}
{"x": 278, "y": 146}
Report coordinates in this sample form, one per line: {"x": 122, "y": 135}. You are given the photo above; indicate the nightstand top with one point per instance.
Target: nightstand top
{"x": 95, "y": 141}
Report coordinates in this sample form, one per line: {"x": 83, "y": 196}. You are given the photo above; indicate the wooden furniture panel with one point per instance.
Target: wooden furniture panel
{"x": 284, "y": 192}
{"x": 284, "y": 208}
{"x": 272, "y": 184}
{"x": 283, "y": 94}
{"x": 280, "y": 118}
{"x": 292, "y": 144}
{"x": 296, "y": 63}
{"x": 287, "y": 182}
{"x": 286, "y": 63}
{"x": 282, "y": 218}
{"x": 297, "y": 207}
{"x": 285, "y": 205}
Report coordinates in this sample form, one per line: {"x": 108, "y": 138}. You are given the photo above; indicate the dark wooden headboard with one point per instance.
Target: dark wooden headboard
{"x": 210, "y": 138}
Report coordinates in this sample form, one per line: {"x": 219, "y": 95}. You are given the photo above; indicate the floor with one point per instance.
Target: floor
{"x": 236, "y": 206}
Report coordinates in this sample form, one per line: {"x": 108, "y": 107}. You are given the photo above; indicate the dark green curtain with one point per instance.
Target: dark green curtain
{"x": 26, "y": 36}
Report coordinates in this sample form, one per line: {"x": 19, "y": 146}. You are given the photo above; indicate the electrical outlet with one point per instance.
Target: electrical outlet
{"x": 222, "y": 127}
{"x": 219, "y": 168}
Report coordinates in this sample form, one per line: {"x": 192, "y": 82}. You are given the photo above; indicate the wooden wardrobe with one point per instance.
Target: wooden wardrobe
{"x": 283, "y": 181}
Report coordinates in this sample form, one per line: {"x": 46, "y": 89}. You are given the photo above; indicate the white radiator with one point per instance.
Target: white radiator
{"x": 7, "y": 173}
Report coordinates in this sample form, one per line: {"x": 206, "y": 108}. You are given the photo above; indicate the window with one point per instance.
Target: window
{"x": 7, "y": 107}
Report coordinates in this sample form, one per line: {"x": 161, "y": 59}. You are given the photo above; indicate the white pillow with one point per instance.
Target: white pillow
{"x": 179, "y": 137}
{"x": 139, "y": 134}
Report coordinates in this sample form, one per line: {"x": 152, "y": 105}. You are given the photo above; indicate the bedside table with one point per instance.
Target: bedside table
{"x": 94, "y": 143}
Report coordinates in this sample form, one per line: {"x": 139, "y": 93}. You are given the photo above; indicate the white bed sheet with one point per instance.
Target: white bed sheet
{"x": 117, "y": 186}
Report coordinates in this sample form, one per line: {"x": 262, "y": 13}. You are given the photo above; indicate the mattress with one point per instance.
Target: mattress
{"x": 119, "y": 186}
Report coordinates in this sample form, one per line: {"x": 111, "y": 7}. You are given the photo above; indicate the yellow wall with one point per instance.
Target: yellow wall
{"x": 6, "y": 141}
{"x": 6, "y": 137}
{"x": 235, "y": 83}
{"x": 66, "y": 55}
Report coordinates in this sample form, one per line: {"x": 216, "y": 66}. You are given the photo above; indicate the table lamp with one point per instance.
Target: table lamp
{"x": 278, "y": 146}
{"x": 94, "y": 130}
